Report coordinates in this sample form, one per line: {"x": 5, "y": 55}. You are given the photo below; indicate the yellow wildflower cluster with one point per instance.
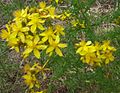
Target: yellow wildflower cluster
{"x": 77, "y": 23}
{"x": 65, "y": 15}
{"x": 95, "y": 54}
{"x": 32, "y": 74}
{"x": 34, "y": 30}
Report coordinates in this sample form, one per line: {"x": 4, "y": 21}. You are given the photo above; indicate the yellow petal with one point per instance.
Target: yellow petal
{"x": 17, "y": 49}
{"x": 44, "y": 39}
{"x": 58, "y": 51}
{"x": 19, "y": 24}
{"x": 13, "y": 35}
{"x": 13, "y": 41}
{"x": 52, "y": 12}
{"x": 42, "y": 47}
{"x": 31, "y": 85}
{"x": 27, "y": 51}
{"x": 62, "y": 45}
{"x": 26, "y": 68}
{"x": 88, "y": 43}
{"x": 112, "y": 58}
{"x": 33, "y": 28}
{"x": 25, "y": 29}
{"x": 57, "y": 40}
{"x": 62, "y": 33}
{"x": 107, "y": 61}
{"x": 83, "y": 52}
{"x": 29, "y": 42}
{"x": 42, "y": 5}
{"x": 8, "y": 27}
{"x": 56, "y": 1}
{"x": 44, "y": 75}
{"x": 50, "y": 54}
{"x": 4, "y": 34}
{"x": 41, "y": 21}
{"x": 36, "y": 39}
{"x": 30, "y": 23}
{"x": 26, "y": 76}
{"x": 92, "y": 49}
{"x": 22, "y": 37}
{"x": 25, "y": 55}
{"x": 49, "y": 49}
{"x": 40, "y": 27}
{"x": 87, "y": 59}
{"x": 43, "y": 34}
{"x": 78, "y": 50}
{"x": 36, "y": 53}
{"x": 50, "y": 40}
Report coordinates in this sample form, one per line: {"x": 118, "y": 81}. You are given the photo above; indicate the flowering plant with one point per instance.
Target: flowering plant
{"x": 51, "y": 34}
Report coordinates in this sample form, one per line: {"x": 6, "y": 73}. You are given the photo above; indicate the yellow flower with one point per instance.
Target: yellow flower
{"x": 83, "y": 47}
{"x": 108, "y": 57}
{"x": 76, "y": 22}
{"x": 55, "y": 45}
{"x": 31, "y": 80}
{"x": 19, "y": 30}
{"x": 42, "y": 69}
{"x": 43, "y": 11}
{"x": 107, "y": 51}
{"x": 21, "y": 15}
{"x": 42, "y": 5}
{"x": 26, "y": 68}
{"x": 32, "y": 10}
{"x": 97, "y": 54}
{"x": 48, "y": 35}
{"x": 6, "y": 33}
{"x": 17, "y": 13}
{"x": 89, "y": 56}
{"x": 63, "y": 17}
{"x": 106, "y": 46}
{"x": 13, "y": 41}
{"x": 56, "y": 1}
{"x": 31, "y": 75}
{"x": 67, "y": 13}
{"x": 35, "y": 22}
{"x": 36, "y": 68}
{"x": 59, "y": 30}
{"x": 52, "y": 13}
{"x": 91, "y": 59}
{"x": 34, "y": 46}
